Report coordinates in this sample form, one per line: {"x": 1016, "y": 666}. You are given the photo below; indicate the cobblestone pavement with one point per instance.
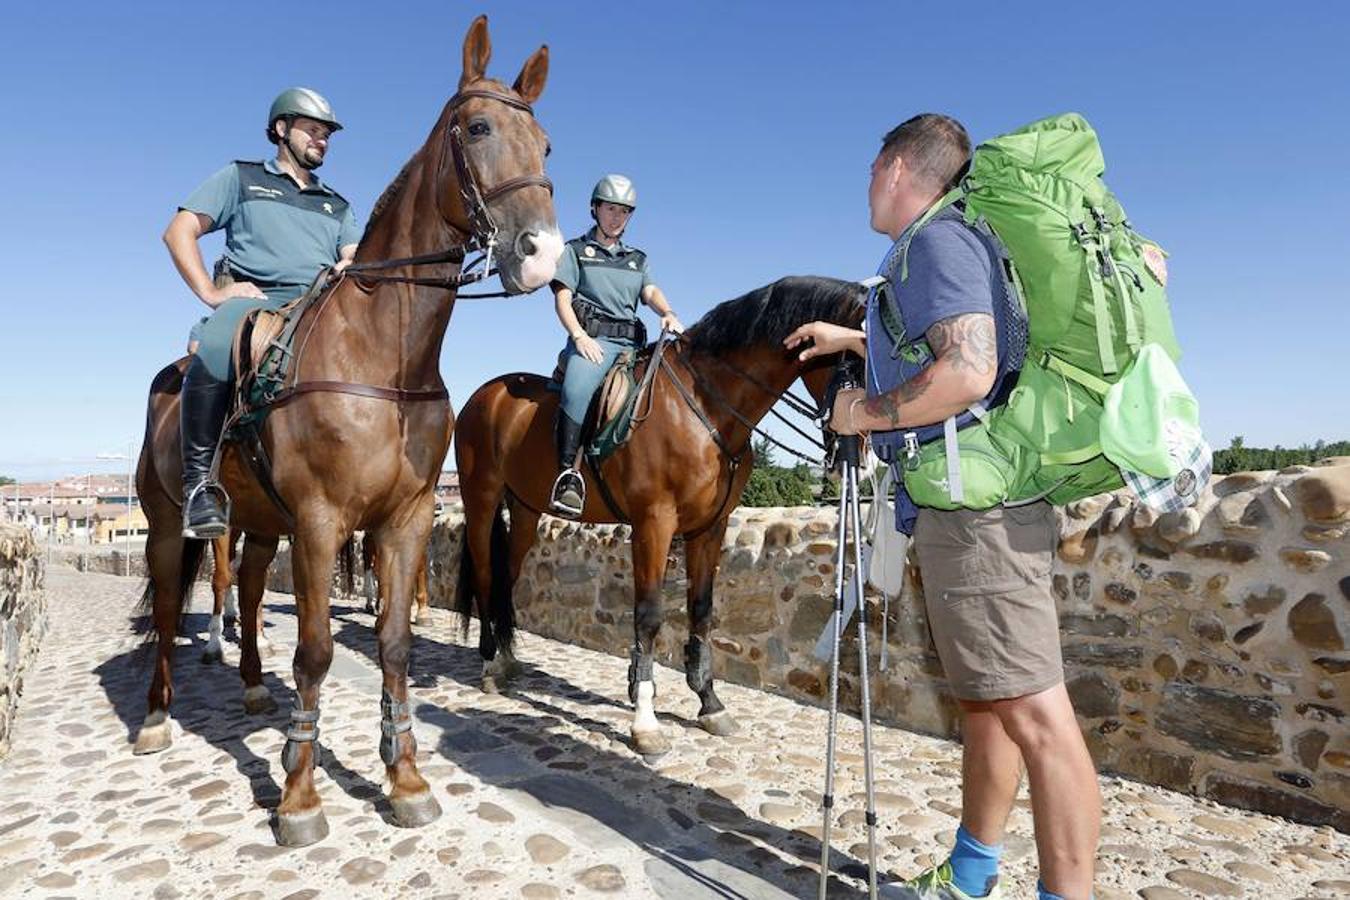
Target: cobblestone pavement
{"x": 542, "y": 795}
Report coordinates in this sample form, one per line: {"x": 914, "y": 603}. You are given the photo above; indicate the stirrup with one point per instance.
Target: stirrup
{"x": 556, "y": 504}
{"x": 218, "y": 489}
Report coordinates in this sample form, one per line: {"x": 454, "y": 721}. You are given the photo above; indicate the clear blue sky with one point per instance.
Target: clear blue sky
{"x": 748, "y": 128}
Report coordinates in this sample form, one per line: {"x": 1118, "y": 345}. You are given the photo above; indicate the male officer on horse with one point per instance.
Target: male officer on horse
{"x": 596, "y": 291}
{"x": 282, "y": 227}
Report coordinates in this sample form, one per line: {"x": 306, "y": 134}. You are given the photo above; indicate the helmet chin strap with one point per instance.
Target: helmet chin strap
{"x": 298, "y": 157}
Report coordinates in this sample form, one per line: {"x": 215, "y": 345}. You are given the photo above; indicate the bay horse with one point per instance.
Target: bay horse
{"x": 360, "y": 441}
{"x": 682, "y": 472}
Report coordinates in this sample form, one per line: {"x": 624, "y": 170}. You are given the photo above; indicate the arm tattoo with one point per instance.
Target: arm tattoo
{"x": 967, "y": 340}
{"x": 887, "y": 406}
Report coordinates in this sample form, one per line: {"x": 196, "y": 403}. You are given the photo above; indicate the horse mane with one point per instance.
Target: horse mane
{"x": 769, "y": 314}
{"x": 387, "y": 198}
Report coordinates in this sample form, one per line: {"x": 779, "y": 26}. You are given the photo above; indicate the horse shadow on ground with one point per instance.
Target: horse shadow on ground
{"x": 704, "y": 838}
{"x": 208, "y": 702}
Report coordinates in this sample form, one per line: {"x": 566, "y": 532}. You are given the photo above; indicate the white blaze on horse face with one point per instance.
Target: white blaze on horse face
{"x": 536, "y": 270}
{"x": 644, "y": 714}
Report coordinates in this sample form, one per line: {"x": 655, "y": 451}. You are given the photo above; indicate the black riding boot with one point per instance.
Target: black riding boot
{"x": 204, "y": 403}
{"x": 569, "y": 491}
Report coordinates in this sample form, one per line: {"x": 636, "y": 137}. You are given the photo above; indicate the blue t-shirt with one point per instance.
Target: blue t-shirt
{"x": 952, "y": 270}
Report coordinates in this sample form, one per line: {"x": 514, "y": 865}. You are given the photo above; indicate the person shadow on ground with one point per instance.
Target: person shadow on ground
{"x": 703, "y": 840}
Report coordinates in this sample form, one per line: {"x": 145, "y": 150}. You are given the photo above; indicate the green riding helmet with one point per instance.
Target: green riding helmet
{"x": 615, "y": 189}
{"x": 300, "y": 101}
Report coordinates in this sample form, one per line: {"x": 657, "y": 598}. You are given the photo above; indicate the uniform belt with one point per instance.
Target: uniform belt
{"x": 598, "y": 325}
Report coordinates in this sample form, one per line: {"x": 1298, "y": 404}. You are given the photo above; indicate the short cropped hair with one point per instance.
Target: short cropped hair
{"x": 936, "y": 148}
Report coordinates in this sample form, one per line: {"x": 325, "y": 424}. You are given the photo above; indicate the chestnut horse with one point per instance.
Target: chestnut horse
{"x": 360, "y": 441}
{"x": 682, "y": 473}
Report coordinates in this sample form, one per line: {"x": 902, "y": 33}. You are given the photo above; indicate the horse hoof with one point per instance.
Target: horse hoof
{"x": 268, "y": 648}
{"x": 415, "y": 810}
{"x": 422, "y": 618}
{"x": 651, "y": 744}
{"x": 213, "y": 656}
{"x": 721, "y": 724}
{"x": 156, "y": 734}
{"x": 491, "y": 685}
{"x": 258, "y": 701}
{"x": 301, "y": 829}
{"x": 230, "y": 620}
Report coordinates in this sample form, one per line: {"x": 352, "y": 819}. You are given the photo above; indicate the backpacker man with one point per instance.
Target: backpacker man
{"x": 282, "y": 227}
{"x": 986, "y": 573}
{"x": 596, "y": 289}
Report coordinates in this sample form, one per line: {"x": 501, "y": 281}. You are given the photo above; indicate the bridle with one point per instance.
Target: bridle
{"x": 483, "y": 230}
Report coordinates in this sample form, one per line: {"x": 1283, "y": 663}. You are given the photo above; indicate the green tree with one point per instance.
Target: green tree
{"x": 5, "y": 479}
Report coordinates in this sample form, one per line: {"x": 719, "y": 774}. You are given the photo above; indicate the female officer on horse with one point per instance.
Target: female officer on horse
{"x": 596, "y": 289}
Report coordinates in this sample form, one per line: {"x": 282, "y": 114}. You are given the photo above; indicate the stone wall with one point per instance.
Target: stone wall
{"x": 23, "y": 618}
{"x": 1205, "y": 650}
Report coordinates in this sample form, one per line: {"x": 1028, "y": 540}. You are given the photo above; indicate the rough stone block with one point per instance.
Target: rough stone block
{"x": 1313, "y": 624}
{"x": 1225, "y": 551}
{"x": 1324, "y": 495}
{"x": 1218, "y": 721}
{"x": 1236, "y": 791}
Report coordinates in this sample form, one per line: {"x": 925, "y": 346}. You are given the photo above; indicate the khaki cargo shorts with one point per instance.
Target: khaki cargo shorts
{"x": 986, "y": 584}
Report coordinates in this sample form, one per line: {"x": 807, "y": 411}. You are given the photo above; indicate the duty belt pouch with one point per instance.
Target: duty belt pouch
{"x": 221, "y": 276}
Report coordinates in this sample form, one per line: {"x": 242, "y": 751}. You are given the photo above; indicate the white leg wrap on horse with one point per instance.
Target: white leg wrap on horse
{"x": 231, "y": 604}
{"x": 644, "y": 712}
{"x": 214, "y": 631}
{"x": 369, "y": 581}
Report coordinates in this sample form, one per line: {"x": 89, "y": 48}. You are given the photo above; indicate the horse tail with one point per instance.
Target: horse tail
{"x": 503, "y": 623}
{"x": 347, "y": 566}
{"x": 190, "y": 566}
{"x": 465, "y": 592}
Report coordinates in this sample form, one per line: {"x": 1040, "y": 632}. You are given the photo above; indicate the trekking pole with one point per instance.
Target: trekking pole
{"x": 836, "y": 624}
{"x": 848, "y": 453}
{"x": 850, "y": 450}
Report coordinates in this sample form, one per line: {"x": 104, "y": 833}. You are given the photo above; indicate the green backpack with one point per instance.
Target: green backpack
{"x": 1093, "y": 292}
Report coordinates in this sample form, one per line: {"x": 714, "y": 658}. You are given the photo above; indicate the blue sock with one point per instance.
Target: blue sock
{"x": 974, "y": 865}
{"x": 1043, "y": 894}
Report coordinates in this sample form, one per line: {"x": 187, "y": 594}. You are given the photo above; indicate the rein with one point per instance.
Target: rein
{"x": 795, "y": 403}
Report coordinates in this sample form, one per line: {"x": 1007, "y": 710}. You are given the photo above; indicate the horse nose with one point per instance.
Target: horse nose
{"x": 525, "y": 245}
{"x": 537, "y": 250}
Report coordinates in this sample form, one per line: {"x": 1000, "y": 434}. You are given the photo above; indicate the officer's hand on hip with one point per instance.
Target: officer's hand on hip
{"x": 670, "y": 322}
{"x": 846, "y": 406}
{"x": 589, "y": 348}
{"x": 216, "y": 296}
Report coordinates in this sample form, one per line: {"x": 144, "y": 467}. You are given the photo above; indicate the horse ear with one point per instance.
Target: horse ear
{"x": 477, "y": 52}
{"x": 530, "y": 82}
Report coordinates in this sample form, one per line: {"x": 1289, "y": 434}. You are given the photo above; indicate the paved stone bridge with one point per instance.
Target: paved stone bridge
{"x": 542, "y": 795}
